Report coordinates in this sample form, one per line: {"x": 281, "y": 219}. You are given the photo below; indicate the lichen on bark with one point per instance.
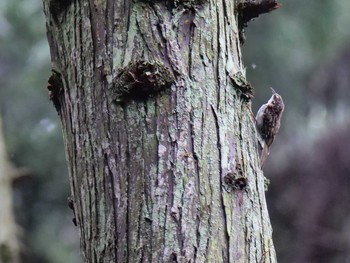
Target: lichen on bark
{"x": 147, "y": 176}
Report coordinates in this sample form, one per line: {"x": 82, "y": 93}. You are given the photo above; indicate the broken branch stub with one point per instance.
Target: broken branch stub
{"x": 140, "y": 79}
{"x": 55, "y": 87}
{"x": 250, "y": 9}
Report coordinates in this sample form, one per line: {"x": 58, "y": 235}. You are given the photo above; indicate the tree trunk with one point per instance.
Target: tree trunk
{"x": 9, "y": 244}
{"x": 159, "y": 136}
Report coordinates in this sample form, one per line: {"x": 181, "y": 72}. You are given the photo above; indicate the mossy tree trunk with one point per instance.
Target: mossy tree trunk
{"x": 160, "y": 140}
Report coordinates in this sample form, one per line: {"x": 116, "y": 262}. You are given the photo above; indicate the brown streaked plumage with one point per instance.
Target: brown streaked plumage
{"x": 268, "y": 122}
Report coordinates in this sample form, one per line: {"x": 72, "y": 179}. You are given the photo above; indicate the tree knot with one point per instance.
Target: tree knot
{"x": 140, "y": 79}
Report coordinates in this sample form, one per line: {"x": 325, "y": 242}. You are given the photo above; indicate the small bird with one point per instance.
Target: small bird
{"x": 268, "y": 122}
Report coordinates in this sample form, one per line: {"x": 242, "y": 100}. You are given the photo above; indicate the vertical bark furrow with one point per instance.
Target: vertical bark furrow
{"x": 147, "y": 175}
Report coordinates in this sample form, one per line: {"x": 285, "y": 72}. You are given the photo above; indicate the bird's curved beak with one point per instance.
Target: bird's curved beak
{"x": 273, "y": 91}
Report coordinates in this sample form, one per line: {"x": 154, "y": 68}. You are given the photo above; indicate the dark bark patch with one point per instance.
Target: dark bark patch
{"x": 140, "y": 79}
{"x": 70, "y": 203}
{"x": 55, "y": 87}
{"x": 235, "y": 181}
{"x": 189, "y": 2}
{"x": 173, "y": 257}
{"x": 177, "y": 3}
{"x": 240, "y": 183}
{"x": 57, "y": 7}
{"x": 250, "y": 9}
{"x": 245, "y": 88}
{"x": 71, "y": 206}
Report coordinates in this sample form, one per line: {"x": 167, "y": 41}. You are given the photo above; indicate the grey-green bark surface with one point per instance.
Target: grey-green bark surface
{"x": 148, "y": 174}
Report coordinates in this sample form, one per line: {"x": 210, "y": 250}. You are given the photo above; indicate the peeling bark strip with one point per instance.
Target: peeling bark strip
{"x": 55, "y": 87}
{"x": 240, "y": 82}
{"x": 141, "y": 79}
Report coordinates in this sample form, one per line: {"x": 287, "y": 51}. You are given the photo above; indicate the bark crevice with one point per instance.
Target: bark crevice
{"x": 152, "y": 123}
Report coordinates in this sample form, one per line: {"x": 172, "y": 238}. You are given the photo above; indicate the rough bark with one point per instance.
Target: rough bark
{"x": 172, "y": 175}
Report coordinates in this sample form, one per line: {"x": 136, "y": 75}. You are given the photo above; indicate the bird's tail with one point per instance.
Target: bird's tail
{"x": 264, "y": 154}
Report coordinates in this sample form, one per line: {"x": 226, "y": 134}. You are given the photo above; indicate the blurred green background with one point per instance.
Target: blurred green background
{"x": 302, "y": 50}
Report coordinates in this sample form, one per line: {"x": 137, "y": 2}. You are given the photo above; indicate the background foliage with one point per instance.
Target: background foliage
{"x": 302, "y": 50}
{"x": 33, "y": 135}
